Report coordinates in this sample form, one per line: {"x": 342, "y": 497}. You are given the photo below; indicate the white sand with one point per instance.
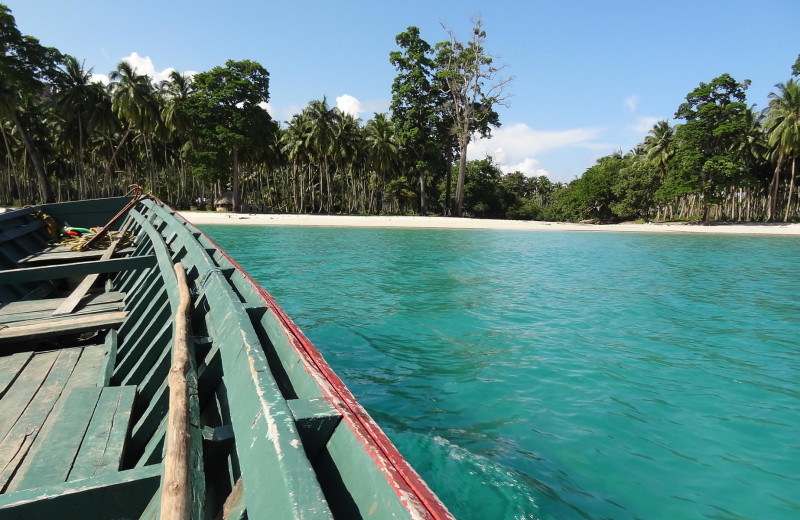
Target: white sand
{"x": 200, "y": 218}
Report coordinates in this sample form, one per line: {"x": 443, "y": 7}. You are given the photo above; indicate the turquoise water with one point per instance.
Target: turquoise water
{"x": 560, "y": 375}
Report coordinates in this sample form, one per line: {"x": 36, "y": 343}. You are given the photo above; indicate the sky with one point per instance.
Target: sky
{"x": 588, "y": 77}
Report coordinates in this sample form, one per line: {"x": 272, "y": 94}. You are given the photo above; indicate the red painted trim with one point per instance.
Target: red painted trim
{"x": 407, "y": 483}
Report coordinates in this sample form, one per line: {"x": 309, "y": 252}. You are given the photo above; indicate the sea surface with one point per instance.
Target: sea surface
{"x": 560, "y": 375}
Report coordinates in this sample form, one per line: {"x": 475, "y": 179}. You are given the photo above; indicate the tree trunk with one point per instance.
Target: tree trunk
{"x": 463, "y": 141}
{"x": 235, "y": 181}
{"x": 791, "y": 191}
{"x": 423, "y": 207}
{"x": 448, "y": 185}
{"x": 772, "y": 199}
{"x": 45, "y": 190}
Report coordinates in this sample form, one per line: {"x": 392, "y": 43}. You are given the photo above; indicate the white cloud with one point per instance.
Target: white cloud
{"x": 519, "y": 140}
{"x": 516, "y": 147}
{"x": 102, "y": 78}
{"x": 143, "y": 66}
{"x": 266, "y": 106}
{"x": 631, "y": 102}
{"x": 529, "y": 166}
{"x": 364, "y": 109}
{"x": 348, "y": 104}
{"x": 644, "y": 124}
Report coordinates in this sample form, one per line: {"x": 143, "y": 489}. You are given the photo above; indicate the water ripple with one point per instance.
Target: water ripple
{"x": 560, "y": 375}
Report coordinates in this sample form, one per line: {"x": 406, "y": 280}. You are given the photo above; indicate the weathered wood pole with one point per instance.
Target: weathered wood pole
{"x": 176, "y": 488}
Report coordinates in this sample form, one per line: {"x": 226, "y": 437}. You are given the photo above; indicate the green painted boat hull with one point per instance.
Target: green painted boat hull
{"x": 274, "y": 433}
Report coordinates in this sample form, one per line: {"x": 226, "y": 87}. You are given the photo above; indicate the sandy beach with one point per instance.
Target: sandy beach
{"x": 201, "y": 218}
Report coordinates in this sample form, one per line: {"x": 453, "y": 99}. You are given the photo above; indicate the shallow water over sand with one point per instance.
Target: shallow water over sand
{"x": 560, "y": 375}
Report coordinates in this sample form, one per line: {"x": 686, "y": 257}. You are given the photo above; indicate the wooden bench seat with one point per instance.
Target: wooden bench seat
{"x": 33, "y": 386}
{"x": 43, "y": 309}
{"x": 84, "y": 438}
{"x": 62, "y": 255}
{"x": 37, "y": 329}
{"x": 52, "y": 272}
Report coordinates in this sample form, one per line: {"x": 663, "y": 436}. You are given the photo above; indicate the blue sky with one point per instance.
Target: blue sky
{"x": 589, "y": 77}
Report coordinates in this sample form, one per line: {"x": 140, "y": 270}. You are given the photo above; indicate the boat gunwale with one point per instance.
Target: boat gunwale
{"x": 409, "y": 485}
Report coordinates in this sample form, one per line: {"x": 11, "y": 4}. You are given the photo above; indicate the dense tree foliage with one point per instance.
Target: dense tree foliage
{"x": 193, "y": 140}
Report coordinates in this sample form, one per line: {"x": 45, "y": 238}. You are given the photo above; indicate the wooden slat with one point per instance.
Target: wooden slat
{"x": 26, "y": 429}
{"x": 57, "y": 327}
{"x": 52, "y": 272}
{"x": 103, "y": 445}
{"x": 50, "y": 463}
{"x": 63, "y": 255}
{"x": 44, "y": 317}
{"x": 10, "y": 366}
{"x": 50, "y": 304}
{"x": 80, "y": 291}
{"x": 23, "y": 389}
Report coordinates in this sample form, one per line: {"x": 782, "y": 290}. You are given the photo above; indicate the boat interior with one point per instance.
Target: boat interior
{"x": 86, "y": 342}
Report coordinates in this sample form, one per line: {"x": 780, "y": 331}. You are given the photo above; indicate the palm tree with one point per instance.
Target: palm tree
{"x": 383, "y": 153}
{"x": 321, "y": 120}
{"x": 74, "y": 103}
{"x": 659, "y": 146}
{"x": 347, "y": 143}
{"x": 175, "y": 93}
{"x": 783, "y": 125}
{"x": 133, "y": 100}
{"x": 176, "y": 90}
{"x": 293, "y": 147}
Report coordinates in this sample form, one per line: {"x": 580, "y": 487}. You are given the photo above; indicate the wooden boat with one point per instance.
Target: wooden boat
{"x": 160, "y": 380}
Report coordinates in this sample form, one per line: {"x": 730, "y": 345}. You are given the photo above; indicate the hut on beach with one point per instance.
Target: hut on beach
{"x": 224, "y": 202}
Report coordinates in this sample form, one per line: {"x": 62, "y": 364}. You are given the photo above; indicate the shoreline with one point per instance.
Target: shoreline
{"x": 201, "y": 218}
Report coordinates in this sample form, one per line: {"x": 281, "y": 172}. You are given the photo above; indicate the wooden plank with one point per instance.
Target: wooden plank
{"x": 109, "y": 358}
{"x": 63, "y": 255}
{"x": 52, "y": 272}
{"x": 10, "y": 367}
{"x": 27, "y": 427}
{"x": 103, "y": 445}
{"x": 57, "y": 327}
{"x": 123, "y": 495}
{"x": 51, "y": 462}
{"x": 85, "y": 373}
{"x": 50, "y": 304}
{"x": 45, "y": 316}
{"x": 80, "y": 291}
{"x": 24, "y": 388}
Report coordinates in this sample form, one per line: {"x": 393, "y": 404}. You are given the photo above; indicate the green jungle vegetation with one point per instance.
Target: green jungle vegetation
{"x": 190, "y": 140}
